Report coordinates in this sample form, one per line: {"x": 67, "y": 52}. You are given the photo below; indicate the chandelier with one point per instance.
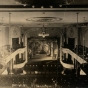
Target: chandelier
{"x": 43, "y": 33}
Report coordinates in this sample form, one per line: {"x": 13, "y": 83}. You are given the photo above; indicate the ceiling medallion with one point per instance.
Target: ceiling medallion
{"x": 44, "y": 19}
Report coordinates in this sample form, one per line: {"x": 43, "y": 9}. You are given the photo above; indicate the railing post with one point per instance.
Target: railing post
{"x": 72, "y": 58}
{"x": 51, "y": 49}
{"x": 77, "y": 69}
{"x": 24, "y": 56}
{"x": 10, "y": 67}
{"x": 26, "y": 52}
{"x": 63, "y": 56}
{"x": 66, "y": 56}
{"x": 21, "y": 56}
{"x": 74, "y": 62}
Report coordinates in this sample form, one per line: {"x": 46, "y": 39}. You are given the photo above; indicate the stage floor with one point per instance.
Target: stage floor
{"x": 42, "y": 57}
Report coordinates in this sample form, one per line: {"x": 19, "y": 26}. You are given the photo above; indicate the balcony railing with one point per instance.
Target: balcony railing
{"x": 74, "y": 57}
{"x": 12, "y": 57}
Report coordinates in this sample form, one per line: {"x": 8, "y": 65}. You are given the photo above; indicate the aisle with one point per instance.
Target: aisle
{"x": 42, "y": 57}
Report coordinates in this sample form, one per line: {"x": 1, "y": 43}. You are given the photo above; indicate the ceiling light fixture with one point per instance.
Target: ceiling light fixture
{"x": 43, "y": 34}
{"x": 84, "y": 24}
{"x": 51, "y": 6}
{"x": 24, "y": 4}
{"x": 42, "y": 7}
{"x": 60, "y": 5}
{"x": 68, "y": 2}
{"x": 33, "y": 6}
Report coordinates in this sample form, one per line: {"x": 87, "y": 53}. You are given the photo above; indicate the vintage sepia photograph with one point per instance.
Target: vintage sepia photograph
{"x": 44, "y": 44}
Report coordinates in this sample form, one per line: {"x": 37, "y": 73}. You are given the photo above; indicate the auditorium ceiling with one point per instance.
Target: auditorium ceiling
{"x": 42, "y": 18}
{"x": 39, "y": 13}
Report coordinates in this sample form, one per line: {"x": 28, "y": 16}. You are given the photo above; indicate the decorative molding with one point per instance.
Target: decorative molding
{"x": 72, "y": 32}
{"x": 15, "y": 32}
{"x": 44, "y": 19}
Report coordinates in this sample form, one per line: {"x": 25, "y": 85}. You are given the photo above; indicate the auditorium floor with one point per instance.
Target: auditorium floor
{"x": 26, "y": 81}
{"x": 49, "y": 76}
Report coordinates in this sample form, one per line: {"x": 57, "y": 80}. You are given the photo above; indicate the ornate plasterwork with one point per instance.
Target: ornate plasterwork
{"x": 44, "y": 19}
{"x": 33, "y": 31}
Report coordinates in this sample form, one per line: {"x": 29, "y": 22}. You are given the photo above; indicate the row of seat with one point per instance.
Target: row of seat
{"x": 29, "y": 67}
{"x": 43, "y": 72}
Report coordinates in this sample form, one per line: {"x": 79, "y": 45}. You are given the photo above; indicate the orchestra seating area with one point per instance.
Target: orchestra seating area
{"x": 28, "y": 81}
{"x": 42, "y": 68}
{"x": 43, "y": 74}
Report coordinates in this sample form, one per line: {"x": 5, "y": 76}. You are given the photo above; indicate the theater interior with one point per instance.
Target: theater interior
{"x": 43, "y": 44}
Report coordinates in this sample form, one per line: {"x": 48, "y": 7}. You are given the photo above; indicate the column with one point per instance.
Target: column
{"x": 77, "y": 35}
{"x": 61, "y": 47}
{"x": 19, "y": 40}
{"x": 83, "y": 43}
{"x": 26, "y": 53}
{"x": 10, "y": 31}
{"x": 76, "y": 43}
{"x": 67, "y": 40}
